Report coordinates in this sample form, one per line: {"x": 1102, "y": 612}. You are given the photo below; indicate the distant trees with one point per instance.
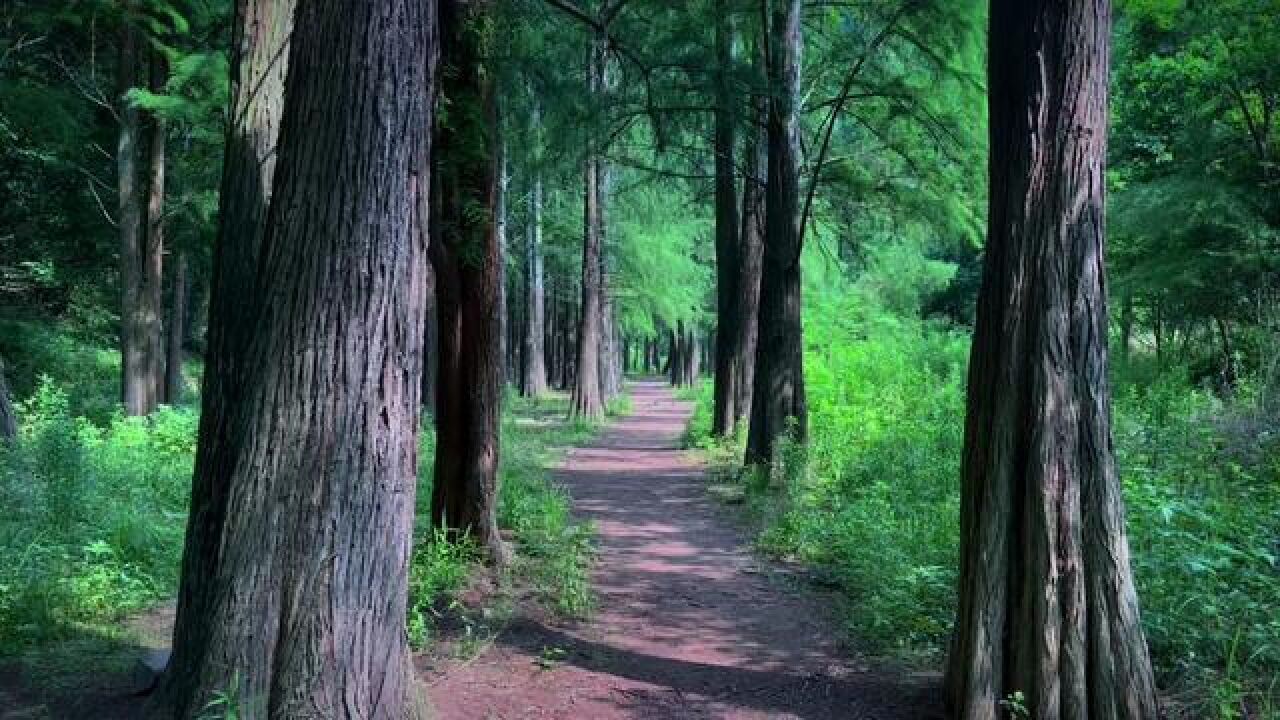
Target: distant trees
{"x": 1047, "y": 601}
{"x": 295, "y": 571}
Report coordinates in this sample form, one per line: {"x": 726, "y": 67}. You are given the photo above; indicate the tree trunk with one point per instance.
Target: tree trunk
{"x": 587, "y": 401}
{"x": 534, "y": 376}
{"x": 260, "y": 34}
{"x": 500, "y": 231}
{"x": 778, "y": 399}
{"x": 751, "y": 256}
{"x": 1047, "y": 605}
{"x": 135, "y": 372}
{"x": 174, "y": 357}
{"x": 8, "y": 418}
{"x": 466, "y": 256}
{"x": 728, "y": 357}
{"x": 302, "y": 597}
{"x": 151, "y": 306}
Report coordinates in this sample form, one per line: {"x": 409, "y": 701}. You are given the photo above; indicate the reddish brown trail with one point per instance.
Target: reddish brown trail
{"x": 690, "y": 624}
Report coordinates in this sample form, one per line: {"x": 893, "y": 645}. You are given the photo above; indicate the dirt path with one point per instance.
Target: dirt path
{"x": 690, "y": 625}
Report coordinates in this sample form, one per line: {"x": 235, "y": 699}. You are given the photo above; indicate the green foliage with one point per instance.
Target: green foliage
{"x": 873, "y": 502}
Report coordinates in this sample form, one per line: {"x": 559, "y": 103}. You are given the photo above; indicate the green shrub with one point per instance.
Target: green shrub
{"x": 873, "y": 502}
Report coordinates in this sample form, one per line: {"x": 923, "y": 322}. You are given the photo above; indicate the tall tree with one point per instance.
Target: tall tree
{"x": 137, "y": 375}
{"x": 1047, "y": 601}
{"x": 533, "y": 377}
{"x": 750, "y": 260}
{"x": 728, "y": 253}
{"x": 304, "y": 596}
{"x": 778, "y": 399}
{"x": 151, "y": 291}
{"x": 587, "y": 399}
{"x": 466, "y": 255}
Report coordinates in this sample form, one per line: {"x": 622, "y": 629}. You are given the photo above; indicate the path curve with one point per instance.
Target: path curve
{"x": 689, "y": 625}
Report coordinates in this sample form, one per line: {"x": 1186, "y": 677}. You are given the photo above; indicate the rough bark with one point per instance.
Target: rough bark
{"x": 174, "y": 355}
{"x": 587, "y": 401}
{"x": 135, "y": 372}
{"x": 466, "y": 257}
{"x": 778, "y": 398}
{"x": 728, "y": 356}
{"x": 260, "y": 33}
{"x": 295, "y": 586}
{"x": 533, "y": 378}
{"x": 1047, "y": 602}
{"x": 750, "y": 261}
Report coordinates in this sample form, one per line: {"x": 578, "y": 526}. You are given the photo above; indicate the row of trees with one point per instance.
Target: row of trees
{"x": 423, "y": 200}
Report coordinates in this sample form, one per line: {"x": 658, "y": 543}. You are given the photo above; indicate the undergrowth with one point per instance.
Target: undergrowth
{"x": 94, "y": 515}
{"x": 873, "y": 503}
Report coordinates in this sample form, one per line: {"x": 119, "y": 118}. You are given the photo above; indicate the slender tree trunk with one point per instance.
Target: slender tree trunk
{"x": 587, "y": 401}
{"x": 259, "y": 42}
{"x": 135, "y": 372}
{"x": 430, "y": 345}
{"x": 751, "y": 257}
{"x": 174, "y": 356}
{"x": 728, "y": 355}
{"x": 500, "y": 230}
{"x": 778, "y": 399}
{"x": 467, "y": 258}
{"x": 1229, "y": 376}
{"x": 8, "y": 418}
{"x": 151, "y": 306}
{"x": 1047, "y": 602}
{"x": 304, "y": 593}
{"x": 534, "y": 376}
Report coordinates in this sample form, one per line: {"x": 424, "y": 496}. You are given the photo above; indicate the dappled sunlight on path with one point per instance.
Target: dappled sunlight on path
{"x": 690, "y": 623}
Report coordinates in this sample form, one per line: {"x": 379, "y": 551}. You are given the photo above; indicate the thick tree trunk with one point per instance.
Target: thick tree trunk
{"x": 174, "y": 356}
{"x": 303, "y": 595}
{"x": 587, "y": 401}
{"x": 534, "y": 370}
{"x": 751, "y": 256}
{"x": 778, "y": 398}
{"x": 135, "y": 371}
{"x": 1047, "y": 602}
{"x": 260, "y": 33}
{"x": 466, "y": 258}
{"x": 728, "y": 351}
{"x": 8, "y": 418}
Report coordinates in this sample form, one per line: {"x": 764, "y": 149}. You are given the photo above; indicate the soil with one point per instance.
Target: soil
{"x": 690, "y": 623}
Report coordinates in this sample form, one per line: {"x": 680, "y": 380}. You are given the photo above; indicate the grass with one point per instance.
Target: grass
{"x": 95, "y": 514}
{"x": 872, "y": 503}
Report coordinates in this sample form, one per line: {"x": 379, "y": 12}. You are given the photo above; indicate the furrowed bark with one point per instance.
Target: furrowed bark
{"x": 294, "y": 587}
{"x": 260, "y": 32}
{"x": 1047, "y": 602}
{"x": 466, "y": 257}
{"x": 728, "y": 355}
{"x": 586, "y": 401}
{"x": 778, "y": 399}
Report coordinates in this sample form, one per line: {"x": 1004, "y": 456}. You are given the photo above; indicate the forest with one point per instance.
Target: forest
{"x": 608, "y": 359}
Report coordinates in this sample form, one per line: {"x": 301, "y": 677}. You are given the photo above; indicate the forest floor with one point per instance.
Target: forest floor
{"x": 689, "y": 623}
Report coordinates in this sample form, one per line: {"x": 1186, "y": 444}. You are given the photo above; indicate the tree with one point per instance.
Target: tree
{"x": 308, "y": 484}
{"x": 587, "y": 399}
{"x": 533, "y": 376}
{"x": 259, "y": 59}
{"x": 137, "y": 372}
{"x": 778, "y": 399}
{"x": 465, "y": 255}
{"x": 1047, "y": 601}
{"x": 728, "y": 253}
{"x": 174, "y": 355}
